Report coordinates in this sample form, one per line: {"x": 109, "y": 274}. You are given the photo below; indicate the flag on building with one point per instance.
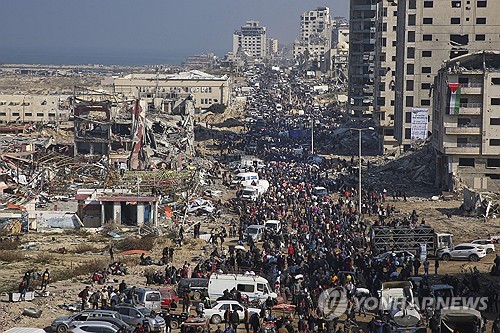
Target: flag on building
{"x": 454, "y": 98}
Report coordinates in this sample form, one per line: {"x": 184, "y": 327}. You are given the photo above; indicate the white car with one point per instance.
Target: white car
{"x": 472, "y": 252}
{"x": 216, "y": 313}
{"x": 488, "y": 244}
{"x": 201, "y": 206}
{"x": 93, "y": 326}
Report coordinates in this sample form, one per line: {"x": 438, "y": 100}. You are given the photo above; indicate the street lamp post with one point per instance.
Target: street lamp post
{"x": 312, "y": 136}
{"x": 359, "y": 156}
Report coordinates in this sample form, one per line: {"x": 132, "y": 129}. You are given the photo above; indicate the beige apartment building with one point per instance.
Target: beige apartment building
{"x": 385, "y": 73}
{"x": 466, "y": 121}
{"x": 315, "y": 37}
{"x": 34, "y": 108}
{"x": 206, "y": 89}
{"x": 251, "y": 39}
{"x": 430, "y": 32}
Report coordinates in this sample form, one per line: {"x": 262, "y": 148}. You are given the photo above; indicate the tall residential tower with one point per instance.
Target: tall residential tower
{"x": 361, "y": 57}
{"x": 251, "y": 40}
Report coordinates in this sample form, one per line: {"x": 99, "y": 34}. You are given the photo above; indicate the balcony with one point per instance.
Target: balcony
{"x": 468, "y": 109}
{"x": 470, "y": 129}
{"x": 471, "y": 88}
{"x": 464, "y": 148}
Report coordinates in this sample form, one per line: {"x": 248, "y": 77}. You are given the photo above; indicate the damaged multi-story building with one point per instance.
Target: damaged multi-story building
{"x": 105, "y": 126}
{"x": 466, "y": 122}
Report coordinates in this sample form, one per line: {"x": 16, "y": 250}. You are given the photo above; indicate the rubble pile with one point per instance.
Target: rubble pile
{"x": 406, "y": 171}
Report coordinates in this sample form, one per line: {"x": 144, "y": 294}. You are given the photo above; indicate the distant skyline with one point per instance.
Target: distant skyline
{"x": 126, "y": 32}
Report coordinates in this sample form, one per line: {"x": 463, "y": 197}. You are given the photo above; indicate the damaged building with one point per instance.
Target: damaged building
{"x": 98, "y": 207}
{"x": 466, "y": 122}
{"x": 105, "y": 126}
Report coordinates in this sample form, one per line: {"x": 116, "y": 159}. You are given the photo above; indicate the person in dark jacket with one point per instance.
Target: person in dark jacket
{"x": 255, "y": 322}
{"x": 246, "y": 320}
{"x": 235, "y": 320}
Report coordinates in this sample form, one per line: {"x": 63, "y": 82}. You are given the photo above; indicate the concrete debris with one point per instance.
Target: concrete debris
{"x": 109, "y": 141}
{"x": 414, "y": 167}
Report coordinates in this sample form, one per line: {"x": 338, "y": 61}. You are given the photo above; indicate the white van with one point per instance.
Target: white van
{"x": 273, "y": 225}
{"x": 245, "y": 179}
{"x": 255, "y": 231}
{"x": 254, "y": 286}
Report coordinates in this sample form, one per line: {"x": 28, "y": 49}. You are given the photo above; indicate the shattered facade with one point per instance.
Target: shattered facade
{"x": 466, "y": 122}
{"x": 107, "y": 127}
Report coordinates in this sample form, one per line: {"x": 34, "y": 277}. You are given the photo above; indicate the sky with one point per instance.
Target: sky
{"x": 127, "y": 32}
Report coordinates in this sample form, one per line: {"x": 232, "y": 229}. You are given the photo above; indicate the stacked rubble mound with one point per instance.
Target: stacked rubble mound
{"x": 417, "y": 167}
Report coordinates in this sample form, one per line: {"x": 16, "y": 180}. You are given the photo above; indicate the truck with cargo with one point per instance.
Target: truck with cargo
{"x": 397, "y": 307}
{"x": 404, "y": 238}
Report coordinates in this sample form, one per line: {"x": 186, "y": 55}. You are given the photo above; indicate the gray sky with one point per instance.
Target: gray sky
{"x": 49, "y": 30}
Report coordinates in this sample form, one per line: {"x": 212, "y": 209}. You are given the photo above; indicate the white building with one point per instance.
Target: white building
{"x": 206, "y": 89}
{"x": 315, "y": 34}
{"x": 250, "y": 39}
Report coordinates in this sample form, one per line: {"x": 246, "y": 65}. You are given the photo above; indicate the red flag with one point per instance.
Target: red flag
{"x": 453, "y": 86}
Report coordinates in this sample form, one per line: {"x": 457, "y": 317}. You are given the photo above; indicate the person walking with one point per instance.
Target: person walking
{"x": 186, "y": 301}
{"x": 104, "y": 299}
{"x": 436, "y": 266}
{"x": 45, "y": 279}
{"x": 111, "y": 252}
{"x": 84, "y": 295}
{"x": 96, "y": 297}
{"x": 246, "y": 320}
{"x": 416, "y": 266}
{"x": 235, "y": 320}
{"x": 23, "y": 287}
{"x": 426, "y": 266}
{"x": 227, "y": 317}
{"x": 255, "y": 322}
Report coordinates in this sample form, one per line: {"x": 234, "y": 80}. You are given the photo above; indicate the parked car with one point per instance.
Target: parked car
{"x": 169, "y": 298}
{"x": 134, "y": 314}
{"x": 216, "y": 312}
{"x": 495, "y": 237}
{"x": 93, "y": 327}
{"x": 488, "y": 244}
{"x": 61, "y": 324}
{"x": 472, "y": 252}
{"x": 146, "y": 297}
{"x": 197, "y": 287}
